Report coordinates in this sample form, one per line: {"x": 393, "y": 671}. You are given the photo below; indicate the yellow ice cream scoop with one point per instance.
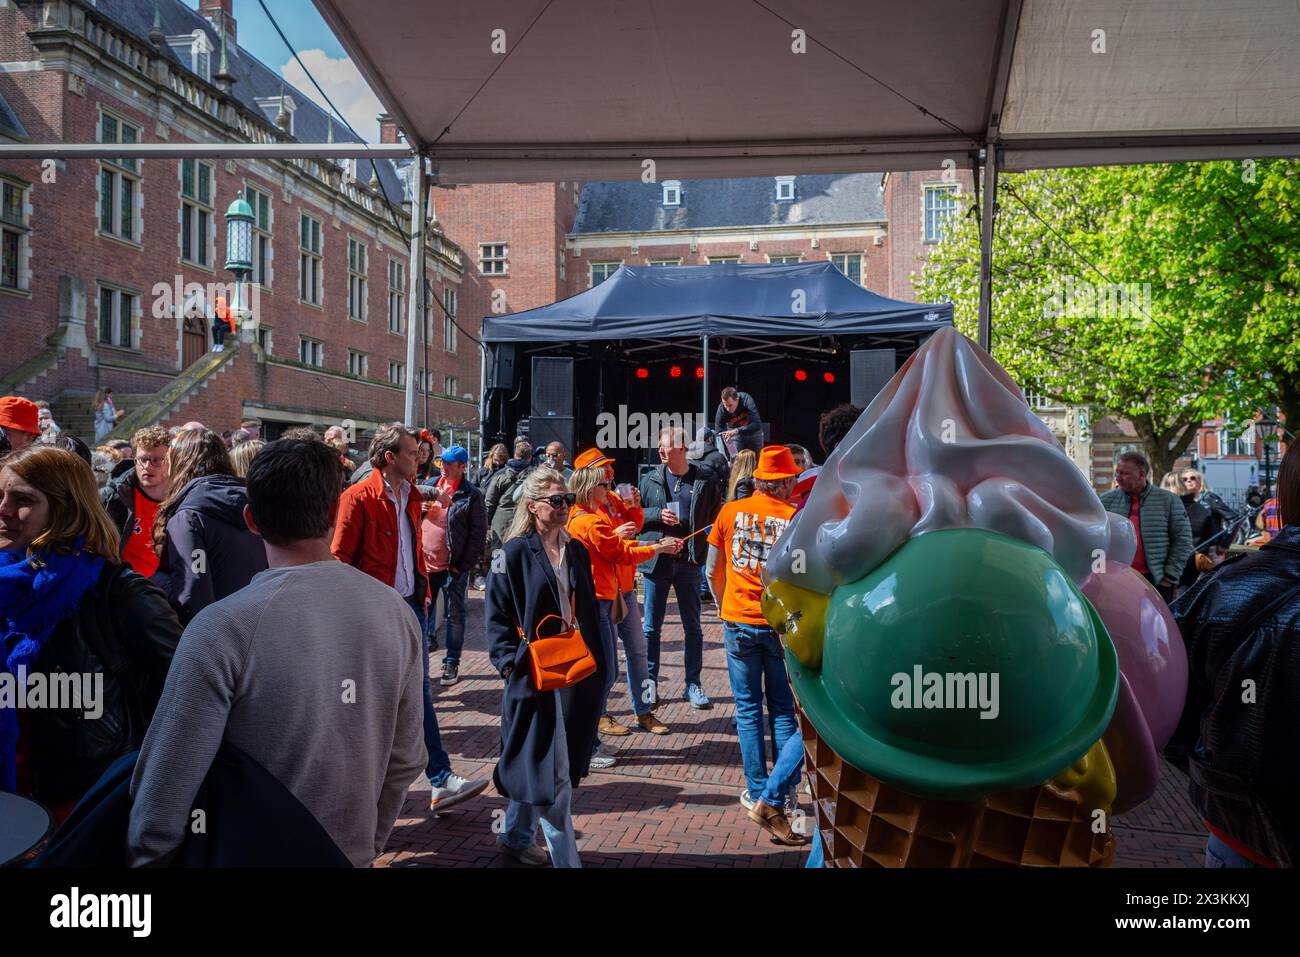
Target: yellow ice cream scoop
{"x": 798, "y": 616}
{"x": 1092, "y": 776}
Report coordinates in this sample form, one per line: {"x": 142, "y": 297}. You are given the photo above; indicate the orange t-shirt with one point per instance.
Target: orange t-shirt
{"x": 620, "y": 512}
{"x": 744, "y": 531}
{"x": 138, "y": 551}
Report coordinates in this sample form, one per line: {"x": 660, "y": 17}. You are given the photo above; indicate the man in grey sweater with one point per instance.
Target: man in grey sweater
{"x": 313, "y": 670}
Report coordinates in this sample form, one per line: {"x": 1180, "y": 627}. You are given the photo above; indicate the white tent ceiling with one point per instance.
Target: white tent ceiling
{"x": 589, "y": 89}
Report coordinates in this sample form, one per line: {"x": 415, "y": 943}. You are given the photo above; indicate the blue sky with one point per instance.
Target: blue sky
{"x": 319, "y": 50}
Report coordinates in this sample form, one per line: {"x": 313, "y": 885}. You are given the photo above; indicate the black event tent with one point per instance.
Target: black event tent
{"x": 750, "y": 301}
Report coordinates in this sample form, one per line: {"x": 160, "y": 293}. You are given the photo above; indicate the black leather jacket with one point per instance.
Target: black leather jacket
{"x": 124, "y": 630}
{"x": 118, "y": 497}
{"x": 1236, "y": 739}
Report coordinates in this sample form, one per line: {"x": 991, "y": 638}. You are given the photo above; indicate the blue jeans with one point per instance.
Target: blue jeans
{"x": 1219, "y": 854}
{"x": 555, "y": 819}
{"x": 786, "y": 771}
{"x": 756, "y": 667}
{"x": 609, "y": 645}
{"x": 640, "y": 691}
{"x": 452, "y": 588}
{"x": 683, "y": 577}
{"x": 439, "y": 768}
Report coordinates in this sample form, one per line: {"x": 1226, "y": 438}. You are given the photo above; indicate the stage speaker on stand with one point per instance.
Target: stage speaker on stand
{"x": 869, "y": 371}
{"x": 545, "y": 429}
{"x": 552, "y": 386}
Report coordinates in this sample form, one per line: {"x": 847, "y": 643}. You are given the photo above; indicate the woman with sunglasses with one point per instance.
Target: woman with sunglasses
{"x": 547, "y": 737}
{"x": 592, "y": 524}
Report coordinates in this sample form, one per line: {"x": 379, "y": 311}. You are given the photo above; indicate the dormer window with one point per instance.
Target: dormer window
{"x": 784, "y": 188}
{"x": 194, "y": 51}
{"x": 272, "y": 106}
{"x": 672, "y": 192}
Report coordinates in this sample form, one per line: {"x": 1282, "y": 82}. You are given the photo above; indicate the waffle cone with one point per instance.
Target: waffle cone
{"x": 864, "y": 822}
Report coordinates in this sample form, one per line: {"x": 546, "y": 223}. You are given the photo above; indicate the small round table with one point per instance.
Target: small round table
{"x": 24, "y": 824}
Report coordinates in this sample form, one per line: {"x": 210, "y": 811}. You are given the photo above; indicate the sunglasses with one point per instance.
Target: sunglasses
{"x": 558, "y": 501}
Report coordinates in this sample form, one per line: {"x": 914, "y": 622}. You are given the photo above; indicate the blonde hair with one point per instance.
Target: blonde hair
{"x": 69, "y": 486}
{"x": 1172, "y": 482}
{"x": 534, "y": 484}
{"x": 584, "y": 481}
{"x": 742, "y": 467}
{"x": 242, "y": 455}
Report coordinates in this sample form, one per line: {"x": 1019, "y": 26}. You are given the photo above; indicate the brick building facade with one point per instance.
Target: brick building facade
{"x": 111, "y": 266}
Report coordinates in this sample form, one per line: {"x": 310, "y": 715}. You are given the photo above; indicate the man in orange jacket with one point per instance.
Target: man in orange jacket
{"x": 378, "y": 531}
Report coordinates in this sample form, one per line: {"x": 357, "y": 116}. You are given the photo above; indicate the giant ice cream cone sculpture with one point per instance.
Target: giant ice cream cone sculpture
{"x": 954, "y": 683}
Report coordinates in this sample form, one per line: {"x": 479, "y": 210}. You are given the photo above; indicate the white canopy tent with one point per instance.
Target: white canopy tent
{"x": 543, "y": 90}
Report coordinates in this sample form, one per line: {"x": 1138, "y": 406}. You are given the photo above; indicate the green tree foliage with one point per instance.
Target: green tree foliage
{"x": 1192, "y": 310}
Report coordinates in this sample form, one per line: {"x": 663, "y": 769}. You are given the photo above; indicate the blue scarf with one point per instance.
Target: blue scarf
{"x": 34, "y": 599}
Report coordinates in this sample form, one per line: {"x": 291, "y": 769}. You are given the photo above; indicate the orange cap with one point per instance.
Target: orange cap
{"x": 19, "y": 414}
{"x": 775, "y": 462}
{"x": 590, "y": 458}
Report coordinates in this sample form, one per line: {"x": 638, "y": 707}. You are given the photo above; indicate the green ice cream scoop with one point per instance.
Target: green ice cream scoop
{"x": 966, "y": 663}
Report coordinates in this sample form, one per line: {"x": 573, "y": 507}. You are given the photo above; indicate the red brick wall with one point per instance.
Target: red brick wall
{"x": 905, "y": 244}
{"x": 64, "y": 240}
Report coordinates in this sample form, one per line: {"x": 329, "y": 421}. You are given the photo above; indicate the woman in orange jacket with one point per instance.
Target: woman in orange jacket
{"x": 595, "y": 521}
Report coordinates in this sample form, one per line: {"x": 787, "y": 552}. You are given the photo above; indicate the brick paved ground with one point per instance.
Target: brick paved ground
{"x": 672, "y": 800}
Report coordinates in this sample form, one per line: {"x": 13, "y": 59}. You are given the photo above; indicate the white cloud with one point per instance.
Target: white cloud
{"x": 345, "y": 86}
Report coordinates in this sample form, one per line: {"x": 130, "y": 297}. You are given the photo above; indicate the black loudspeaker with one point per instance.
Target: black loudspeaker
{"x": 552, "y": 386}
{"x": 503, "y": 367}
{"x": 545, "y": 429}
{"x": 869, "y": 371}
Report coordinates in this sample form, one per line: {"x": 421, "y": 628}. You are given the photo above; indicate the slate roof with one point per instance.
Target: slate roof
{"x": 253, "y": 79}
{"x": 10, "y": 125}
{"x": 607, "y": 207}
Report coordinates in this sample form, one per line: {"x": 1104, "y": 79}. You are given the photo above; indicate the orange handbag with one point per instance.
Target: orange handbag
{"x": 560, "y": 660}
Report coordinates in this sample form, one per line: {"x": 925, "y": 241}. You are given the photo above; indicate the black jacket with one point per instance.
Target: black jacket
{"x": 1205, "y": 525}
{"x": 744, "y": 488}
{"x": 118, "y": 497}
{"x": 1241, "y": 625}
{"x": 252, "y": 821}
{"x": 745, "y": 420}
{"x": 706, "y": 498}
{"x": 125, "y": 631}
{"x": 520, "y": 597}
{"x": 210, "y": 553}
{"x": 466, "y": 526}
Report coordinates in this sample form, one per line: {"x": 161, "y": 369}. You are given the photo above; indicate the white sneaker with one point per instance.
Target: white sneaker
{"x": 531, "y": 855}
{"x": 218, "y": 348}
{"x": 455, "y": 790}
{"x": 602, "y": 760}
{"x": 747, "y": 800}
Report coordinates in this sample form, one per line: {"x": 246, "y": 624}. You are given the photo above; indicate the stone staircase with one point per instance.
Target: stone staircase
{"x": 73, "y": 414}
{"x": 172, "y": 397}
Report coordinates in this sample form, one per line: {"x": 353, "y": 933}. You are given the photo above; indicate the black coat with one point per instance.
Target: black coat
{"x": 210, "y": 553}
{"x": 706, "y": 498}
{"x": 1241, "y": 623}
{"x": 1205, "y": 525}
{"x": 118, "y": 497}
{"x": 466, "y": 526}
{"x": 520, "y": 597}
{"x": 252, "y": 821}
{"x": 125, "y": 630}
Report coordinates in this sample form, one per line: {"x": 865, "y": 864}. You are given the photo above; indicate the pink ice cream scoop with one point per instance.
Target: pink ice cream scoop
{"x": 1153, "y": 666}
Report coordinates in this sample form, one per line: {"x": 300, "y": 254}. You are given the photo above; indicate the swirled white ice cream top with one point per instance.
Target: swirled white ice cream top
{"x": 950, "y": 442}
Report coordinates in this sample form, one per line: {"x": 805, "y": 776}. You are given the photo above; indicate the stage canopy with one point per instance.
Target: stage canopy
{"x": 722, "y": 300}
{"x": 547, "y": 90}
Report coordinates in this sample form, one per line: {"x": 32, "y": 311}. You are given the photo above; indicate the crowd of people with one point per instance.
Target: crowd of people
{"x": 276, "y": 604}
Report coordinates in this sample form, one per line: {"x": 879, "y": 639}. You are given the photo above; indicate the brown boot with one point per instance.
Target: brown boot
{"x": 611, "y": 727}
{"x": 648, "y": 722}
{"x": 773, "y": 820}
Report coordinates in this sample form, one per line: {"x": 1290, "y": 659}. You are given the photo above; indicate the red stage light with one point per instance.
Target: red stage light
{"x": 800, "y": 375}
{"x": 643, "y": 373}
{"x": 828, "y": 376}
{"x": 699, "y": 372}
{"x": 675, "y": 371}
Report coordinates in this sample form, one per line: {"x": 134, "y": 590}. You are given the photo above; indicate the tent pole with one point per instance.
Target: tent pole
{"x": 704, "y": 396}
{"x": 989, "y": 202}
{"x": 482, "y": 395}
{"x": 414, "y": 320}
